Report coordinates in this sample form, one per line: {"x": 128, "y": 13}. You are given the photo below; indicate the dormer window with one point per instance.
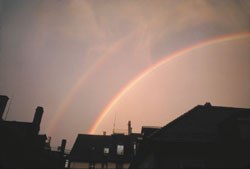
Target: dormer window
{"x": 106, "y": 150}
{"x": 120, "y": 149}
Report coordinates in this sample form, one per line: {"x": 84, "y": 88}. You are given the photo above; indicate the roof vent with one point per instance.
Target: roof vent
{"x": 207, "y": 104}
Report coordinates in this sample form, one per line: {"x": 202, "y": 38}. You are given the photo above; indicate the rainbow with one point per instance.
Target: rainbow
{"x": 153, "y": 67}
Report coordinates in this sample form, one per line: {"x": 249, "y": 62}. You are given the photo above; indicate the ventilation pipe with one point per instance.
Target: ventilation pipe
{"x": 129, "y": 128}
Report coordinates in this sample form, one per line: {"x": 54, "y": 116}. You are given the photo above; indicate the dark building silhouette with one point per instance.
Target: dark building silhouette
{"x": 22, "y": 147}
{"x": 205, "y": 137}
{"x": 104, "y": 151}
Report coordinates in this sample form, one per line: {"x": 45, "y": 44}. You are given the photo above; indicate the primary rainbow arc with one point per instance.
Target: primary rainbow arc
{"x": 143, "y": 74}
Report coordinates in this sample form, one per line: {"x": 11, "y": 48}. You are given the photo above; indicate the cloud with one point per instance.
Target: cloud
{"x": 51, "y": 42}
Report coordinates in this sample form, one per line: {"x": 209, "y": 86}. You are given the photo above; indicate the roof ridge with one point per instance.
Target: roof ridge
{"x": 159, "y": 132}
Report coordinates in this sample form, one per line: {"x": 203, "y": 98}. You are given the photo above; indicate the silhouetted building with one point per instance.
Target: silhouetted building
{"x": 205, "y": 137}
{"x": 104, "y": 151}
{"x": 22, "y": 147}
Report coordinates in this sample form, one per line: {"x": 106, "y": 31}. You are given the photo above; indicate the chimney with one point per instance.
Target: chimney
{"x": 207, "y": 104}
{"x": 63, "y": 145}
{"x": 37, "y": 119}
{"x": 3, "y": 103}
{"x": 129, "y": 128}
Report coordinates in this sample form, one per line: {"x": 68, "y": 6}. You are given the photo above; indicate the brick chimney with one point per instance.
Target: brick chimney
{"x": 3, "y": 103}
{"x": 37, "y": 119}
{"x": 63, "y": 145}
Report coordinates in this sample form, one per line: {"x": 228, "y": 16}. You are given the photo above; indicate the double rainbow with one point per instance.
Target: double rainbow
{"x": 73, "y": 92}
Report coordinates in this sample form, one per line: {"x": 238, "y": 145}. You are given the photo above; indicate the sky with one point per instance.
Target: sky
{"x": 74, "y": 57}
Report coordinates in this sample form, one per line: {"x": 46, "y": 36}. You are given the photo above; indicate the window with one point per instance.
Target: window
{"x": 91, "y": 165}
{"x": 134, "y": 148}
{"x": 119, "y": 165}
{"x": 66, "y": 163}
{"x": 106, "y": 150}
{"x": 120, "y": 149}
{"x": 104, "y": 165}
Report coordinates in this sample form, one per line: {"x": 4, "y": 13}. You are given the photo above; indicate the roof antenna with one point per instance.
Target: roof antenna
{"x": 12, "y": 98}
{"x": 114, "y": 124}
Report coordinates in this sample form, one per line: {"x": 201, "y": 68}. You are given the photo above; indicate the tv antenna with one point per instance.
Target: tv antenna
{"x": 114, "y": 124}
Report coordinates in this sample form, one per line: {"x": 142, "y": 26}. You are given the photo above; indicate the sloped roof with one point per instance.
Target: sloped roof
{"x": 199, "y": 124}
{"x": 147, "y": 131}
{"x": 91, "y": 148}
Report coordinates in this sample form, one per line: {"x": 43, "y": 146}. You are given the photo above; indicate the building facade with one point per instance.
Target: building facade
{"x": 103, "y": 151}
{"x": 21, "y": 145}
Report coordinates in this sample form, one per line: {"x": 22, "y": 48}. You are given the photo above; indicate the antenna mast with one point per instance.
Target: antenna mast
{"x": 114, "y": 124}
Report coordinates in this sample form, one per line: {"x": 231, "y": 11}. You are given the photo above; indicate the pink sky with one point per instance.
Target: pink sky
{"x": 50, "y": 48}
